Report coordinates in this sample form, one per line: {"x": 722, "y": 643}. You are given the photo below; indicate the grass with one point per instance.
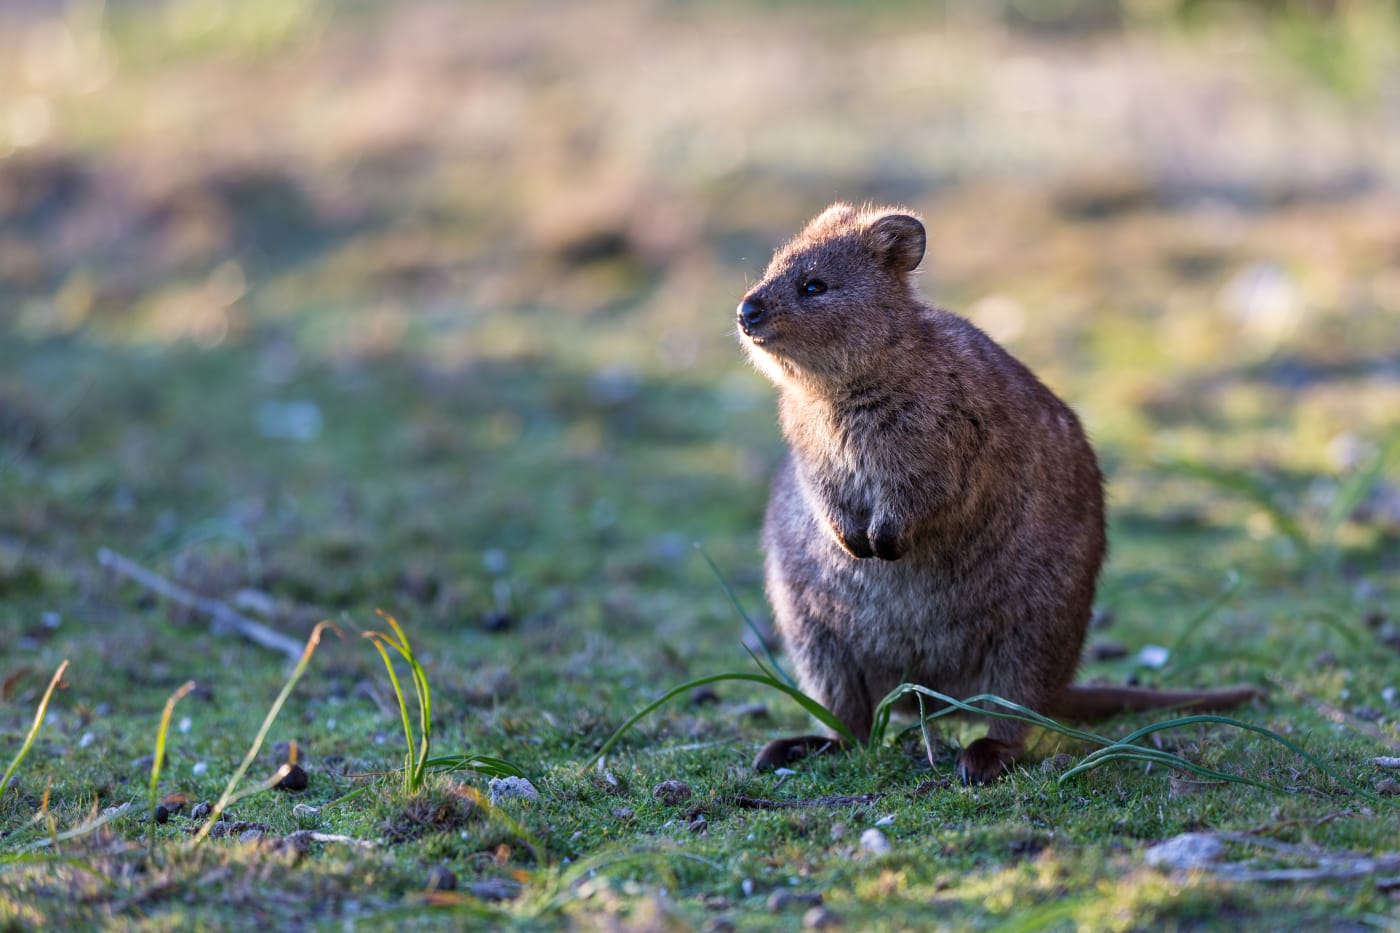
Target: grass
{"x": 33, "y": 729}
{"x": 415, "y": 767}
{"x": 449, "y": 333}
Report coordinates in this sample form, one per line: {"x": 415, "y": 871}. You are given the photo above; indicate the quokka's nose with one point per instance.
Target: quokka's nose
{"x": 751, "y": 313}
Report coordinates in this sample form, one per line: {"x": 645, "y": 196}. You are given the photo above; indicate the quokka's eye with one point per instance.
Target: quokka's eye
{"x": 813, "y": 287}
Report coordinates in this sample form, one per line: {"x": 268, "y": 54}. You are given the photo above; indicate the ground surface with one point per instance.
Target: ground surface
{"x": 429, "y": 309}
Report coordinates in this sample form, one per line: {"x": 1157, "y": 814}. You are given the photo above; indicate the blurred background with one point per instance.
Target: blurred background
{"x": 377, "y": 302}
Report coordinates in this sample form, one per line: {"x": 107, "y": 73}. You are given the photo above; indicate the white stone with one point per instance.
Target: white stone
{"x": 512, "y": 788}
{"x": 875, "y": 842}
{"x": 1185, "y": 852}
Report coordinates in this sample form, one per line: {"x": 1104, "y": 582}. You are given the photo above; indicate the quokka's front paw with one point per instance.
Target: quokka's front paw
{"x": 887, "y": 541}
{"x": 855, "y": 542}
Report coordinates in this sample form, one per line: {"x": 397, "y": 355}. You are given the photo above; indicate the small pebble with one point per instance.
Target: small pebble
{"x": 875, "y": 842}
{"x": 885, "y": 820}
{"x": 671, "y": 792}
{"x": 703, "y": 695}
{"x": 200, "y": 767}
{"x": 751, "y": 711}
{"x": 699, "y": 826}
{"x": 305, "y": 811}
{"x": 496, "y": 620}
{"x": 495, "y": 561}
{"x": 250, "y": 835}
{"x": 441, "y": 878}
{"x": 820, "y": 918}
{"x": 747, "y": 887}
{"x": 201, "y": 810}
{"x": 1388, "y": 787}
{"x": 511, "y": 788}
{"x": 296, "y": 778}
{"x": 1105, "y": 650}
{"x": 781, "y": 900}
{"x": 1389, "y": 695}
{"x": 1153, "y": 656}
{"x": 1387, "y": 762}
{"x": 1186, "y": 851}
{"x": 622, "y": 813}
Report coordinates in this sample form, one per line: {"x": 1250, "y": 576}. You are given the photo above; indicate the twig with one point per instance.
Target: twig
{"x": 1359, "y": 868}
{"x": 348, "y": 840}
{"x": 745, "y": 802}
{"x": 1327, "y": 864}
{"x": 223, "y": 615}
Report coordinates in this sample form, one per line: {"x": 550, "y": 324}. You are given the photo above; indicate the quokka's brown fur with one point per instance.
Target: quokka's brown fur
{"x": 939, "y": 518}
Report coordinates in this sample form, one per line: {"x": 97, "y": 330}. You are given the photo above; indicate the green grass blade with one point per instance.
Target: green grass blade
{"x": 379, "y": 639}
{"x": 420, "y": 679}
{"x": 819, "y": 712}
{"x": 1238, "y": 724}
{"x": 758, "y": 662}
{"x": 484, "y": 764}
{"x": 83, "y": 829}
{"x": 33, "y": 729}
{"x": 1232, "y": 585}
{"x": 425, "y": 706}
{"x": 282, "y": 771}
{"x": 1123, "y": 752}
{"x": 223, "y": 802}
{"x": 1353, "y": 492}
{"x": 1009, "y": 710}
{"x": 753, "y": 626}
{"x": 159, "y": 760}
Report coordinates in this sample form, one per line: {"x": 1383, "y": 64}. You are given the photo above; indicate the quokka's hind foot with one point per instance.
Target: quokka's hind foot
{"x": 985, "y": 760}
{"x": 782, "y": 752}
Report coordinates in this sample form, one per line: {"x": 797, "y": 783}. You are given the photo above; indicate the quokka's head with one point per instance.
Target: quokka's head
{"x": 834, "y": 295}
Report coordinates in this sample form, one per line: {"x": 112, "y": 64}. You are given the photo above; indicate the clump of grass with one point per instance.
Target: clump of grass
{"x": 991, "y": 705}
{"x": 417, "y": 763}
{"x": 33, "y": 729}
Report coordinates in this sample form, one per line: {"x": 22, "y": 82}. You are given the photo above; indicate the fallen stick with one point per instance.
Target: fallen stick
{"x": 745, "y": 802}
{"x": 223, "y": 615}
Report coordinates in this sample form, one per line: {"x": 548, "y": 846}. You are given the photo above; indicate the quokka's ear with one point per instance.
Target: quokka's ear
{"x": 899, "y": 241}
{"x": 833, "y": 217}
